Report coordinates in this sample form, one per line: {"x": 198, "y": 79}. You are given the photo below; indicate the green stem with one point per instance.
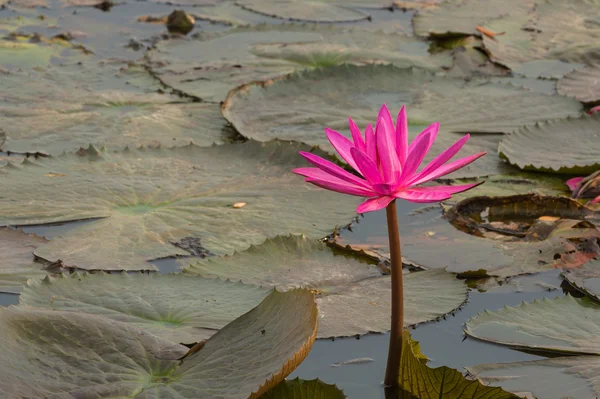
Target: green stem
{"x": 392, "y": 371}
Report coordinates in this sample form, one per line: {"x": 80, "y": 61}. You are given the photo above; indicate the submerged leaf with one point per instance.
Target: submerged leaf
{"x": 53, "y": 353}
{"x": 440, "y": 382}
{"x": 328, "y": 96}
{"x": 304, "y": 389}
{"x": 149, "y": 199}
{"x": 179, "y": 308}
{"x": 257, "y": 53}
{"x": 542, "y": 147}
{"x": 353, "y": 295}
{"x": 17, "y": 263}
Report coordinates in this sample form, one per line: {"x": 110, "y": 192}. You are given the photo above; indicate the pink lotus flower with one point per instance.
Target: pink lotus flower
{"x": 387, "y": 163}
{"x": 574, "y": 185}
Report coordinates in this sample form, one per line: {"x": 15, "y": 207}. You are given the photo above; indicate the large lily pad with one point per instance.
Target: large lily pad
{"x": 179, "y": 308}
{"x": 304, "y": 389}
{"x": 440, "y": 382}
{"x": 535, "y": 326}
{"x": 586, "y": 278}
{"x": 461, "y": 17}
{"x": 247, "y": 54}
{"x": 436, "y": 244}
{"x": 329, "y": 96}
{"x": 52, "y": 353}
{"x": 541, "y": 147}
{"x": 62, "y": 109}
{"x": 149, "y": 199}
{"x": 583, "y": 84}
{"x": 554, "y": 29}
{"x": 354, "y": 297}
{"x": 309, "y": 11}
{"x": 17, "y": 263}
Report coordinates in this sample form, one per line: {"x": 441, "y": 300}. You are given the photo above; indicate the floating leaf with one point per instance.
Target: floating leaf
{"x": 30, "y": 51}
{"x": 441, "y": 382}
{"x": 582, "y": 84}
{"x": 535, "y": 326}
{"x": 541, "y": 147}
{"x": 66, "y": 108}
{"x": 257, "y": 53}
{"x": 353, "y": 296}
{"x": 309, "y": 11}
{"x": 149, "y": 199}
{"x": 576, "y": 377}
{"x": 179, "y": 308}
{"x": 461, "y": 17}
{"x": 304, "y": 389}
{"x": 17, "y": 263}
{"x": 328, "y": 96}
{"x": 586, "y": 279}
{"x": 52, "y": 353}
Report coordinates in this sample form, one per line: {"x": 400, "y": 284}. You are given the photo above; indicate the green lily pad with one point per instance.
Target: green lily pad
{"x": 436, "y": 244}
{"x": 441, "y": 382}
{"x": 263, "y": 52}
{"x": 179, "y": 308}
{"x": 586, "y": 279}
{"x": 150, "y": 199}
{"x": 354, "y": 296}
{"x": 31, "y": 51}
{"x": 308, "y": 11}
{"x": 460, "y": 17}
{"x": 304, "y": 389}
{"x": 53, "y": 353}
{"x": 553, "y": 29}
{"x": 582, "y": 84}
{"x": 17, "y": 263}
{"x": 576, "y": 377}
{"x": 60, "y": 109}
{"x": 541, "y": 147}
{"x": 329, "y": 96}
{"x": 535, "y": 326}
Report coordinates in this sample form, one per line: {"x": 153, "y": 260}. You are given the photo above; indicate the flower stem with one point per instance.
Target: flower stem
{"x": 392, "y": 371}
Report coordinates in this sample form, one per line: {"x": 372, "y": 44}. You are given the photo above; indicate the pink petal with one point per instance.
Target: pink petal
{"x": 371, "y": 143}
{"x": 433, "y": 129}
{"x": 441, "y": 159}
{"x": 342, "y": 145}
{"x": 385, "y": 189}
{"x": 573, "y": 183}
{"x": 356, "y": 136}
{"x": 448, "y": 168}
{"x": 595, "y": 200}
{"x": 333, "y": 169}
{"x": 415, "y": 156}
{"x": 366, "y": 166}
{"x": 384, "y": 113}
{"x": 325, "y": 180}
{"x": 594, "y": 110}
{"x": 402, "y": 136}
{"x": 386, "y": 149}
{"x": 374, "y": 204}
{"x": 433, "y": 194}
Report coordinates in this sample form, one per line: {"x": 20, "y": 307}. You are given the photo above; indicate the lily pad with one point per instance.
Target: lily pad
{"x": 17, "y": 263}
{"x": 60, "y": 109}
{"x": 436, "y": 244}
{"x": 535, "y": 326}
{"x": 554, "y": 29}
{"x": 54, "y": 353}
{"x": 440, "y": 382}
{"x": 179, "y": 308}
{"x": 304, "y": 389}
{"x": 582, "y": 84}
{"x": 541, "y": 147}
{"x": 150, "y": 199}
{"x": 329, "y": 96}
{"x": 576, "y": 377}
{"x": 309, "y": 11}
{"x": 586, "y": 279}
{"x": 31, "y": 51}
{"x": 353, "y": 296}
{"x": 461, "y": 17}
{"x": 262, "y": 52}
